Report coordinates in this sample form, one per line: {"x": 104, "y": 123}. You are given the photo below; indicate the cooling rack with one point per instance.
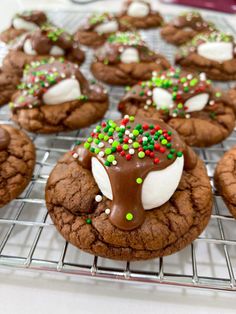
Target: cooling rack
{"x": 29, "y": 240}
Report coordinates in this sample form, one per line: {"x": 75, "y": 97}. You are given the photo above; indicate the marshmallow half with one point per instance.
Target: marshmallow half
{"x": 217, "y": 51}
{"x": 19, "y": 23}
{"x": 66, "y": 90}
{"x": 107, "y": 27}
{"x": 129, "y": 55}
{"x": 138, "y": 9}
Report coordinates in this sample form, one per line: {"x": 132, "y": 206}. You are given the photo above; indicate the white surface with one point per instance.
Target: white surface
{"x": 101, "y": 177}
{"x": 27, "y": 293}
{"x": 66, "y": 90}
{"x": 162, "y": 98}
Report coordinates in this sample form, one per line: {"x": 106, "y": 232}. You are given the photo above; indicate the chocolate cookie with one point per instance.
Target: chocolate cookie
{"x": 97, "y": 28}
{"x": 125, "y": 59}
{"x": 184, "y": 27}
{"x": 213, "y": 53}
{"x": 188, "y": 102}
{"x": 133, "y": 191}
{"x": 23, "y": 22}
{"x": 225, "y": 179}
{"x": 54, "y": 96}
{"x": 139, "y": 14}
{"x": 8, "y": 84}
{"x": 17, "y": 160}
{"x": 40, "y": 45}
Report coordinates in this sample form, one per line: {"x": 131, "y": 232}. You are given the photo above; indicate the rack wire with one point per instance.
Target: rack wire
{"x": 29, "y": 240}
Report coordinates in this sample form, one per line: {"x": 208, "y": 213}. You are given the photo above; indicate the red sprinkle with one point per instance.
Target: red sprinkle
{"x": 151, "y": 155}
{"x": 128, "y": 156}
{"x": 157, "y": 127}
{"x": 119, "y": 148}
{"x": 162, "y": 149}
{"x": 140, "y": 149}
{"x": 147, "y": 152}
{"x": 156, "y": 160}
{"x": 145, "y": 127}
{"x": 122, "y": 153}
{"x": 157, "y": 146}
{"x": 126, "y": 140}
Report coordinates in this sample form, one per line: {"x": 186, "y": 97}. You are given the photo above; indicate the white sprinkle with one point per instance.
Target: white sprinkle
{"x": 107, "y": 211}
{"x": 154, "y": 73}
{"x": 149, "y": 102}
{"x": 100, "y": 144}
{"x": 131, "y": 135}
{"x": 145, "y": 107}
{"x": 149, "y": 93}
{"x": 98, "y": 198}
{"x": 114, "y": 162}
{"x": 131, "y": 151}
{"x": 130, "y": 141}
{"x": 75, "y": 155}
{"x": 187, "y": 115}
{"x": 110, "y": 141}
{"x": 212, "y": 102}
{"x": 189, "y": 76}
{"x": 202, "y": 76}
{"x": 126, "y": 116}
{"x": 144, "y": 138}
{"x": 122, "y": 127}
{"x": 63, "y": 75}
{"x": 127, "y": 132}
{"x": 174, "y": 115}
{"x": 101, "y": 154}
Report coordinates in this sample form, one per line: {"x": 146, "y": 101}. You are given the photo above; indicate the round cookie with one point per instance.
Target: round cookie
{"x": 23, "y": 22}
{"x": 133, "y": 191}
{"x": 54, "y": 96}
{"x": 125, "y": 59}
{"x": 188, "y": 102}
{"x": 97, "y": 28}
{"x": 17, "y": 160}
{"x": 39, "y": 45}
{"x": 225, "y": 179}
{"x": 139, "y": 14}
{"x": 213, "y": 53}
{"x": 184, "y": 27}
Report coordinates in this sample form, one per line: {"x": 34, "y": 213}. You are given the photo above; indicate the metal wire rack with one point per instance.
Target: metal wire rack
{"x": 28, "y": 239}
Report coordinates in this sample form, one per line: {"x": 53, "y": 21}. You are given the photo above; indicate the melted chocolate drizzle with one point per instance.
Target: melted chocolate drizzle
{"x": 192, "y": 20}
{"x": 36, "y": 17}
{"x": 127, "y": 212}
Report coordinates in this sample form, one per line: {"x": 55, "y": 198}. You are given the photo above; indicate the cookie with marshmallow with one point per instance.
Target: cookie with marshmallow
{"x": 26, "y": 21}
{"x": 126, "y": 59}
{"x": 188, "y": 102}
{"x": 213, "y": 53}
{"x": 54, "y": 96}
{"x": 139, "y": 14}
{"x": 184, "y": 27}
{"x": 48, "y": 41}
{"x": 97, "y": 28}
{"x": 132, "y": 191}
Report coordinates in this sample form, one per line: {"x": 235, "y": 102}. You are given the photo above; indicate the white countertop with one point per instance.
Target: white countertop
{"x": 32, "y": 293}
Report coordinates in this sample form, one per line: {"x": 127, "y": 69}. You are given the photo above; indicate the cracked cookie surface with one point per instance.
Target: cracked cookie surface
{"x": 17, "y": 161}
{"x": 225, "y": 179}
{"x": 70, "y": 198}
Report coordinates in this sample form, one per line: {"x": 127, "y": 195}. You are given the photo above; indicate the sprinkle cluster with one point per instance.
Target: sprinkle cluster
{"x": 53, "y": 32}
{"x": 126, "y": 38}
{"x": 98, "y": 18}
{"x": 128, "y": 139}
{"x": 178, "y": 85}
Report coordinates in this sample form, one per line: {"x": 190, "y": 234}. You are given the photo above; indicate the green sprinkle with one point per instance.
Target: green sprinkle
{"x": 107, "y": 151}
{"x": 88, "y": 221}
{"x": 169, "y": 156}
{"x": 164, "y": 142}
{"x": 131, "y": 118}
{"x": 125, "y": 147}
{"x": 110, "y": 158}
{"x": 129, "y": 216}
{"x": 141, "y": 155}
{"x": 139, "y": 180}
{"x": 136, "y": 145}
{"x": 179, "y": 154}
{"x": 135, "y": 132}
{"x": 107, "y": 163}
{"x": 115, "y": 144}
{"x": 86, "y": 145}
{"x": 218, "y": 94}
